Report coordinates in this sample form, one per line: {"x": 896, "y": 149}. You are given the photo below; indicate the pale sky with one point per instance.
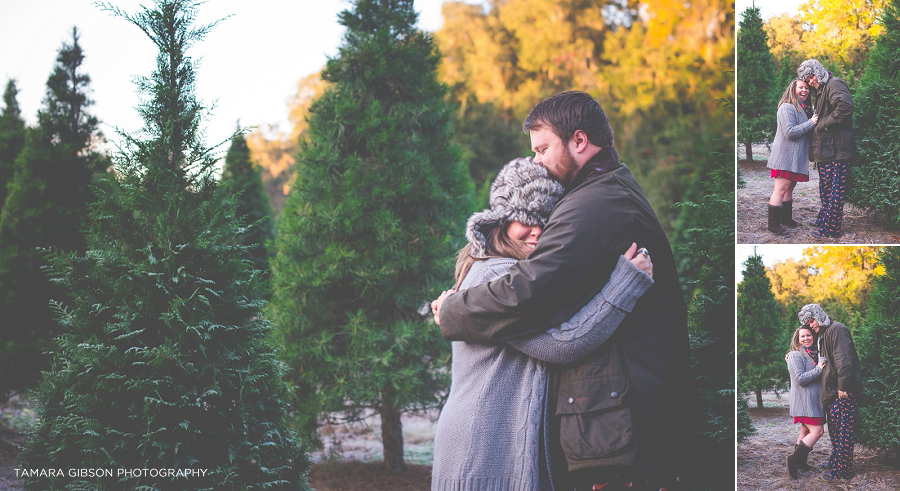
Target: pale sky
{"x": 250, "y": 64}
{"x": 771, "y": 253}
{"x": 768, "y": 8}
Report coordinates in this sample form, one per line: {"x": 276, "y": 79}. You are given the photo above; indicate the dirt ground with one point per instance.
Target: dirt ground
{"x": 350, "y": 460}
{"x": 761, "y": 459}
{"x": 860, "y": 226}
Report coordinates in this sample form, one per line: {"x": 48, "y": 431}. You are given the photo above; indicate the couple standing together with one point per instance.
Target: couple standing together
{"x": 570, "y": 351}
{"x": 821, "y": 132}
{"x": 825, "y": 381}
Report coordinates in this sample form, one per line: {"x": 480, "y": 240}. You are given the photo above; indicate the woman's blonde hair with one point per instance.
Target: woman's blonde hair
{"x": 790, "y": 95}
{"x": 795, "y": 340}
{"x": 497, "y": 244}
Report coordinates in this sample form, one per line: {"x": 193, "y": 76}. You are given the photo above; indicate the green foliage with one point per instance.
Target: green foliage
{"x": 760, "y": 336}
{"x": 164, "y": 362}
{"x": 755, "y": 77}
{"x": 711, "y": 321}
{"x": 47, "y": 206}
{"x": 244, "y": 179}
{"x": 12, "y": 137}
{"x": 489, "y": 138}
{"x": 364, "y": 239}
{"x": 745, "y": 427}
{"x": 658, "y": 71}
{"x": 878, "y": 342}
{"x": 875, "y": 173}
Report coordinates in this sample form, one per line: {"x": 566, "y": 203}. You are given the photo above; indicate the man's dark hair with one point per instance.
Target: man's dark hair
{"x": 569, "y": 111}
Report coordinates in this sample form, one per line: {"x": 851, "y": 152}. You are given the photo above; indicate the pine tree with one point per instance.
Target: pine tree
{"x": 760, "y": 337}
{"x": 12, "y": 137}
{"x": 47, "y": 206}
{"x": 164, "y": 364}
{"x": 711, "y": 321}
{"x": 755, "y": 75}
{"x": 745, "y": 427}
{"x": 875, "y": 172}
{"x": 245, "y": 180}
{"x": 365, "y": 236}
{"x": 878, "y": 344}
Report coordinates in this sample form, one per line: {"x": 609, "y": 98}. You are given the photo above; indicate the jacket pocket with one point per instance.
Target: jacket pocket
{"x": 848, "y": 146}
{"x": 594, "y": 418}
{"x": 823, "y": 145}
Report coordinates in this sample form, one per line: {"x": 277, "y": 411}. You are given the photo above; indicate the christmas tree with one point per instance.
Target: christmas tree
{"x": 244, "y": 179}
{"x": 366, "y": 237}
{"x": 47, "y": 206}
{"x": 164, "y": 370}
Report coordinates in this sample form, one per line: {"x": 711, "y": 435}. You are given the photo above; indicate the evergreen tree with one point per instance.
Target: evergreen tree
{"x": 760, "y": 337}
{"x": 756, "y": 95}
{"x": 878, "y": 344}
{"x": 164, "y": 364}
{"x": 12, "y": 137}
{"x": 47, "y": 206}
{"x": 745, "y": 427}
{"x": 711, "y": 323}
{"x": 244, "y": 179}
{"x": 876, "y": 170}
{"x": 365, "y": 236}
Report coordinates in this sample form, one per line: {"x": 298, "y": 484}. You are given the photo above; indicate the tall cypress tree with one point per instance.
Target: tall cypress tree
{"x": 47, "y": 206}
{"x": 876, "y": 170}
{"x": 755, "y": 75}
{"x": 878, "y": 341}
{"x": 12, "y": 137}
{"x": 164, "y": 364}
{"x": 366, "y": 234}
{"x": 760, "y": 337}
{"x": 244, "y": 179}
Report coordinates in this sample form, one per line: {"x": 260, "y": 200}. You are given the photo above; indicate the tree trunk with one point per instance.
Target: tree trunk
{"x": 759, "y": 398}
{"x": 391, "y": 432}
{"x": 749, "y": 147}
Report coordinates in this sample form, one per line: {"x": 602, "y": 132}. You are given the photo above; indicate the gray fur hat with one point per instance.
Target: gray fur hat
{"x": 522, "y": 192}
{"x": 813, "y": 311}
{"x": 813, "y": 67}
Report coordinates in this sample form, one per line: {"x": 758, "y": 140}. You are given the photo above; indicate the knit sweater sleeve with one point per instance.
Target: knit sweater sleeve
{"x": 798, "y": 372}
{"x": 595, "y": 323}
{"x": 792, "y": 122}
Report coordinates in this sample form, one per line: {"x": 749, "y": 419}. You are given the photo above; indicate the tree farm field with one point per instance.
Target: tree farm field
{"x": 761, "y": 458}
{"x": 860, "y": 226}
{"x": 350, "y": 458}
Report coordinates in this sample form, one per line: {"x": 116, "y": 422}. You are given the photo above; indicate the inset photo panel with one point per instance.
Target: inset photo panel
{"x": 817, "y": 349}
{"x": 818, "y": 157}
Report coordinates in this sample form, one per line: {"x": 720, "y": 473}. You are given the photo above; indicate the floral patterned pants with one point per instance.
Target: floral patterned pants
{"x": 841, "y": 414}
{"x": 832, "y": 188}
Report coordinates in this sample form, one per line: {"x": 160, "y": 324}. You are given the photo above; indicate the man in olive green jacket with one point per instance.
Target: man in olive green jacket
{"x": 626, "y": 410}
{"x": 841, "y": 385}
{"x": 831, "y": 145}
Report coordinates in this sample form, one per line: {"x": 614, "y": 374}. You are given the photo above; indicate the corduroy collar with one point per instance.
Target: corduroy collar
{"x": 602, "y": 162}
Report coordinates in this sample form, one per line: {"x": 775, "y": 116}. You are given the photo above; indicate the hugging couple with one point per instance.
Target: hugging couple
{"x": 570, "y": 366}
{"x": 825, "y": 382}
{"x": 820, "y": 131}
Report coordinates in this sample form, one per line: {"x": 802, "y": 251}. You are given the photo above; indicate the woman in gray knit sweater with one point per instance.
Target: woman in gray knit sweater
{"x": 789, "y": 160}
{"x": 805, "y": 366}
{"x": 492, "y": 431}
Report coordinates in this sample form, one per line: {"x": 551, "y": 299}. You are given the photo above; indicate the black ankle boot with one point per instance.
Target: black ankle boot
{"x": 786, "y": 211}
{"x": 775, "y": 220}
{"x": 801, "y": 451}
{"x": 803, "y": 465}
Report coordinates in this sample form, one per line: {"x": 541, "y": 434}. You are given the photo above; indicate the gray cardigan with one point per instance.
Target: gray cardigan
{"x": 491, "y": 430}
{"x": 790, "y": 149}
{"x": 806, "y": 385}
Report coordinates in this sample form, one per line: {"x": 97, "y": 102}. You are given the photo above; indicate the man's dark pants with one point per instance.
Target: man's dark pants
{"x": 832, "y": 188}
{"x": 841, "y": 416}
